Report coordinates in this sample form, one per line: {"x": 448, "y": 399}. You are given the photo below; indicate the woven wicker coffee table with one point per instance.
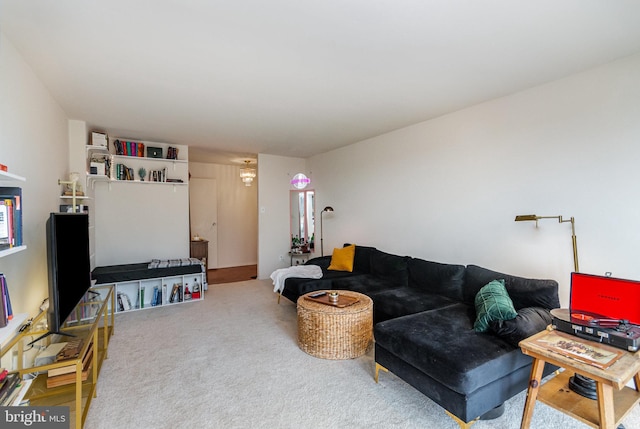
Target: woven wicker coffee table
{"x": 330, "y": 332}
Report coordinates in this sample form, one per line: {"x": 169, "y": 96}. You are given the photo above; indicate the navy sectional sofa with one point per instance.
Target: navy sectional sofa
{"x": 424, "y": 314}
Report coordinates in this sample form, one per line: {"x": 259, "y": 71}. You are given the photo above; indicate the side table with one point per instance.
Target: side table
{"x": 614, "y": 401}
{"x": 199, "y": 249}
{"x": 299, "y": 257}
{"x": 329, "y": 332}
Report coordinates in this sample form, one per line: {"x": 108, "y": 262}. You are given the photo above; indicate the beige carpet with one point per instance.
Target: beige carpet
{"x": 231, "y": 361}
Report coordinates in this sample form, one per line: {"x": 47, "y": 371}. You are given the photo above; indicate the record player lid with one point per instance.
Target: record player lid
{"x": 605, "y": 297}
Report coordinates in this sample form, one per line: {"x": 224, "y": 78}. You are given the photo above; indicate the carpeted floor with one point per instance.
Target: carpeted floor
{"x": 232, "y": 361}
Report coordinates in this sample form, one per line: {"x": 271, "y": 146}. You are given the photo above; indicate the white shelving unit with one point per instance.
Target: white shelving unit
{"x": 177, "y": 169}
{"x": 9, "y": 331}
{"x": 139, "y": 294}
{"x": 10, "y": 178}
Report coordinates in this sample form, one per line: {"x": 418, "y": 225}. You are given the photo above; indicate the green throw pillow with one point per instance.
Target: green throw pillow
{"x": 493, "y": 303}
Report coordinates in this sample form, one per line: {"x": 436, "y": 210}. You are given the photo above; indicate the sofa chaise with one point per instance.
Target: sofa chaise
{"x": 424, "y": 317}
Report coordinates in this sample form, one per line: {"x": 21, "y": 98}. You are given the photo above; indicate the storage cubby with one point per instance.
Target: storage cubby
{"x": 144, "y": 294}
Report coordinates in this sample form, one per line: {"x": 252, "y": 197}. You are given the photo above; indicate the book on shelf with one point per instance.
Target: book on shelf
{"x": 128, "y": 148}
{"x": 157, "y": 297}
{"x": 71, "y": 368}
{"x": 7, "y": 387}
{"x": 124, "y": 303}
{"x": 70, "y": 350}
{"x": 70, "y": 378}
{"x": 86, "y": 308}
{"x": 17, "y": 397}
{"x": 6, "y": 311}
{"x": 176, "y": 293}
{"x": 10, "y": 217}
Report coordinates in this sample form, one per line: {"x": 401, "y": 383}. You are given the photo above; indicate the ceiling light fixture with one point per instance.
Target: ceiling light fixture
{"x": 247, "y": 174}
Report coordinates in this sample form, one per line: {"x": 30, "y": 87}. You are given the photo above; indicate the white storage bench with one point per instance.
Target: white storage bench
{"x": 152, "y": 284}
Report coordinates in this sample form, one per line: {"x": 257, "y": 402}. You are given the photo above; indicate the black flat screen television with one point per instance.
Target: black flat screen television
{"x": 69, "y": 265}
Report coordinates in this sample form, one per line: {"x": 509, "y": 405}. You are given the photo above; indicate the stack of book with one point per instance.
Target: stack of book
{"x": 67, "y": 374}
{"x": 10, "y": 217}
{"x": 122, "y": 172}
{"x": 129, "y": 148}
{"x": 12, "y": 388}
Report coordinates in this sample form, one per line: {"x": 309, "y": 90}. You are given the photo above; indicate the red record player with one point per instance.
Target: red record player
{"x": 603, "y": 309}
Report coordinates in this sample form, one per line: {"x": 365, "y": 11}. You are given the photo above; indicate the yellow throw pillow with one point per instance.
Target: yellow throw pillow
{"x": 342, "y": 259}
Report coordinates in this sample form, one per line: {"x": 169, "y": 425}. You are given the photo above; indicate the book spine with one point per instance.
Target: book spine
{"x": 4, "y": 320}
{"x": 9, "y": 204}
{"x": 7, "y": 299}
{"x": 18, "y": 218}
{"x": 4, "y": 226}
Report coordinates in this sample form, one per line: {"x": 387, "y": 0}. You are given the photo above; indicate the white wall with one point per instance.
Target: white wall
{"x": 448, "y": 189}
{"x": 137, "y": 222}
{"x": 274, "y": 175}
{"x": 33, "y": 144}
{"x": 237, "y": 213}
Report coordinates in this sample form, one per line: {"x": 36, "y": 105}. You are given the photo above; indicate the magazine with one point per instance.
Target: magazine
{"x": 589, "y": 352}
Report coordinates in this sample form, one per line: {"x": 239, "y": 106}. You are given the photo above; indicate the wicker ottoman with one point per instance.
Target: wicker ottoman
{"x": 330, "y": 332}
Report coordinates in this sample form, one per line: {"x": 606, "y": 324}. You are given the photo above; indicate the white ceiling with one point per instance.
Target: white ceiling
{"x": 301, "y": 77}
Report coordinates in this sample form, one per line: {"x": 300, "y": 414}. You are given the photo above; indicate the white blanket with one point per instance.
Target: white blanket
{"x": 305, "y": 271}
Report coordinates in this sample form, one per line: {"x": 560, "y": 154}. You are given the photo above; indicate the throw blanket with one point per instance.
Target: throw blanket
{"x": 305, "y": 271}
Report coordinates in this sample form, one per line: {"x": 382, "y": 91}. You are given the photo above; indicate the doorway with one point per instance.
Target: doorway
{"x": 203, "y": 213}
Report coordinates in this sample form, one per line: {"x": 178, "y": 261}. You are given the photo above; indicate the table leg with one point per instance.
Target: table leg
{"x": 605, "y": 406}
{"x": 532, "y": 392}
{"x": 636, "y": 380}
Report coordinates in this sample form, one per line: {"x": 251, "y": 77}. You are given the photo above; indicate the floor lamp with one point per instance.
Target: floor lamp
{"x": 578, "y": 383}
{"x": 326, "y": 209}
{"x": 561, "y": 220}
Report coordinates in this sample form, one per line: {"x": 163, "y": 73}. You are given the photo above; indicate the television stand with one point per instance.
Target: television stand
{"x": 93, "y": 323}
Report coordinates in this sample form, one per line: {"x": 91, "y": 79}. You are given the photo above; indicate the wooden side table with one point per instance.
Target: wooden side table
{"x": 300, "y": 258}
{"x": 200, "y": 250}
{"x": 614, "y": 401}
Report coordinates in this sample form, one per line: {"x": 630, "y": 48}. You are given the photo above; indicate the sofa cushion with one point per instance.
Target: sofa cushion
{"x": 362, "y": 258}
{"x": 492, "y": 303}
{"x": 434, "y": 277}
{"x": 523, "y": 292}
{"x": 363, "y": 283}
{"x": 342, "y": 259}
{"x": 400, "y": 301}
{"x": 442, "y": 344}
{"x": 391, "y": 268}
{"x": 321, "y": 261}
{"x": 529, "y": 321}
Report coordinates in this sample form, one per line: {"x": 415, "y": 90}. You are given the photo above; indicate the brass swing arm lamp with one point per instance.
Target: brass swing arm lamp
{"x": 524, "y": 218}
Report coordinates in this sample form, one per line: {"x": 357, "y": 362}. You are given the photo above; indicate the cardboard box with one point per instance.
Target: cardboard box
{"x": 99, "y": 168}
{"x": 99, "y": 139}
